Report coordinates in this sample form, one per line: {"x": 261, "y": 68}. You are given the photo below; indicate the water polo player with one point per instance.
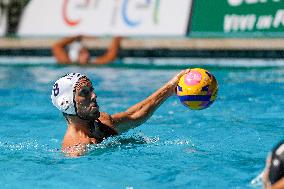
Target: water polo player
{"x": 74, "y": 96}
{"x": 274, "y": 172}
{"x": 71, "y": 50}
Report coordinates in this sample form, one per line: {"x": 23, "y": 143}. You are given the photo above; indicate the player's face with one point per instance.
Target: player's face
{"x": 84, "y": 56}
{"x": 85, "y": 98}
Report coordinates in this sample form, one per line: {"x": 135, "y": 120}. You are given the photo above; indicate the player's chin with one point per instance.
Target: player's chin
{"x": 94, "y": 113}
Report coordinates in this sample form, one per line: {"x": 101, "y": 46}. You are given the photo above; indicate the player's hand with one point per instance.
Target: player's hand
{"x": 174, "y": 81}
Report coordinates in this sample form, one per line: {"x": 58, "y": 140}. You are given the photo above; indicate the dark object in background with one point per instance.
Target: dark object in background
{"x": 14, "y": 9}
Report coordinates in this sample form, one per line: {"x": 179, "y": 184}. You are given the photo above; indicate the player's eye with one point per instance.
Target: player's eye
{"x": 85, "y": 92}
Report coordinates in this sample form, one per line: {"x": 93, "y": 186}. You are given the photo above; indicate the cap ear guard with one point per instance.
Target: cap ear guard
{"x": 62, "y": 94}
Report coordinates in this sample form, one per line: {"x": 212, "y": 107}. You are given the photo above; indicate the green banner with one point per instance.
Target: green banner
{"x": 237, "y": 18}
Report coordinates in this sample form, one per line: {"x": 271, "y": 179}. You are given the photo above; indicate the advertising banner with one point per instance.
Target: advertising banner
{"x": 105, "y": 17}
{"x": 237, "y": 18}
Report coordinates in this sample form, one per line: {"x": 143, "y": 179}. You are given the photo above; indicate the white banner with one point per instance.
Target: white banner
{"x": 105, "y": 17}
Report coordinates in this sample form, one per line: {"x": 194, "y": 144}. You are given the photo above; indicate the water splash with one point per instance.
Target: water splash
{"x": 28, "y": 145}
{"x": 121, "y": 142}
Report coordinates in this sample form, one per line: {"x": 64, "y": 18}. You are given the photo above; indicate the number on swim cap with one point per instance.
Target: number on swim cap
{"x": 55, "y": 89}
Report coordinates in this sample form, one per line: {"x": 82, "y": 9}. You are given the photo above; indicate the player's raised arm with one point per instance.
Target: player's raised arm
{"x": 111, "y": 53}
{"x": 142, "y": 111}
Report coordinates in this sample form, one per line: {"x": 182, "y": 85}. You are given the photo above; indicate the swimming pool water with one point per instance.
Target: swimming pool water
{"x": 224, "y": 146}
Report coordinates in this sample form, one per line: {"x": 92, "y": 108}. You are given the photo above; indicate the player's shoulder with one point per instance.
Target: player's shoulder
{"x": 107, "y": 124}
{"x": 104, "y": 115}
{"x": 106, "y": 118}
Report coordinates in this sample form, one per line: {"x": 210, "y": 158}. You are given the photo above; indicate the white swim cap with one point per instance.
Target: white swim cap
{"x": 74, "y": 49}
{"x": 62, "y": 94}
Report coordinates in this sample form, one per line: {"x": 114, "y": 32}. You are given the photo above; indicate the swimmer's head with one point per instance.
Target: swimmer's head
{"x": 73, "y": 94}
{"x": 84, "y": 56}
{"x": 78, "y": 53}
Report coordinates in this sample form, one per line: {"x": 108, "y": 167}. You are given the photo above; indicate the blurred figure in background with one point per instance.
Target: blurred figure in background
{"x": 13, "y": 9}
{"x": 71, "y": 50}
{"x": 273, "y": 177}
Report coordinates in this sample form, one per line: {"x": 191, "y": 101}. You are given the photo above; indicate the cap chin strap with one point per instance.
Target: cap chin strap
{"x": 82, "y": 117}
{"x": 75, "y": 107}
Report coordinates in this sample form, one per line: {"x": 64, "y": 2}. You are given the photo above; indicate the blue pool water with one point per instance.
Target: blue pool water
{"x": 223, "y": 146}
